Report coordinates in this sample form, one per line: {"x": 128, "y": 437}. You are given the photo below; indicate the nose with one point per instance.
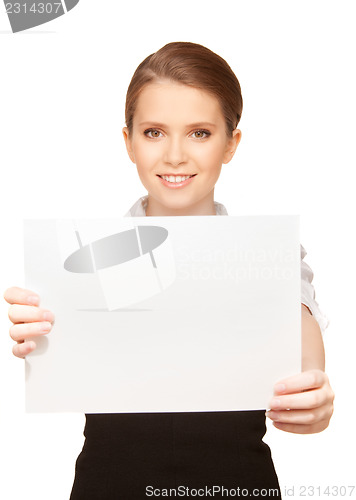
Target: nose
{"x": 175, "y": 151}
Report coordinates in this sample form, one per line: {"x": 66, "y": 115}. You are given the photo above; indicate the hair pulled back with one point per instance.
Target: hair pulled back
{"x": 193, "y": 65}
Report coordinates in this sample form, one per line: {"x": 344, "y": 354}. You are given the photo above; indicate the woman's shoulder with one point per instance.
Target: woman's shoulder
{"x": 220, "y": 208}
{"x": 138, "y": 209}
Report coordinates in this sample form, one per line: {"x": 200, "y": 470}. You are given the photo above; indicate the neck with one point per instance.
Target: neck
{"x": 202, "y": 207}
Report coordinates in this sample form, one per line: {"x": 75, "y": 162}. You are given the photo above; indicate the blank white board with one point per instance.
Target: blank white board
{"x": 163, "y": 314}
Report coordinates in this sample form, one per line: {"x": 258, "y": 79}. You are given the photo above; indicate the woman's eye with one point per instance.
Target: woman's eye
{"x": 152, "y": 133}
{"x": 201, "y": 134}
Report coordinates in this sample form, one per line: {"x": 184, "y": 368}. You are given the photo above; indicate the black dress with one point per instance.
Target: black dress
{"x": 127, "y": 456}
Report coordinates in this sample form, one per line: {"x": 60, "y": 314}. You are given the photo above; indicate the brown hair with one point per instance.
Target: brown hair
{"x": 193, "y": 65}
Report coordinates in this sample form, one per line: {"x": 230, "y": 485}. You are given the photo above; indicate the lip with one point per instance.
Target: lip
{"x": 176, "y": 185}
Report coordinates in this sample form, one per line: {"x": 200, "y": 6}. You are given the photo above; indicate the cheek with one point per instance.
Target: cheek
{"x": 211, "y": 154}
{"x": 146, "y": 156}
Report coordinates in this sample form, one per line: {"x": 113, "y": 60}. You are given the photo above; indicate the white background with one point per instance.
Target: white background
{"x": 63, "y": 88}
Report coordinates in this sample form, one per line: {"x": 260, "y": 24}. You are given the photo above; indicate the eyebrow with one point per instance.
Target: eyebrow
{"x": 192, "y": 125}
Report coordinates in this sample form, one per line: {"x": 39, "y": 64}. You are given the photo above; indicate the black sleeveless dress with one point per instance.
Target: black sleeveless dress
{"x": 128, "y": 456}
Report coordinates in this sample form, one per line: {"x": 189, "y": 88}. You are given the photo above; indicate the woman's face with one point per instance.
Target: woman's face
{"x": 179, "y": 131}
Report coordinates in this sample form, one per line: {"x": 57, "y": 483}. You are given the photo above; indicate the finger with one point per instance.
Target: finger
{"x": 300, "y": 401}
{"x": 301, "y": 417}
{"x": 21, "y": 350}
{"x": 22, "y": 331}
{"x": 28, "y": 314}
{"x": 304, "y": 381}
{"x": 302, "y": 429}
{"x": 17, "y": 295}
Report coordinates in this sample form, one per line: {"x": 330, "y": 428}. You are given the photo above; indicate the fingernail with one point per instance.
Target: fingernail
{"x": 33, "y": 299}
{"x": 280, "y": 387}
{"x": 48, "y": 316}
{"x": 275, "y": 403}
{"x": 46, "y": 327}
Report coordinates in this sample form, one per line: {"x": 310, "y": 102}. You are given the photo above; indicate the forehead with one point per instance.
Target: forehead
{"x": 162, "y": 101}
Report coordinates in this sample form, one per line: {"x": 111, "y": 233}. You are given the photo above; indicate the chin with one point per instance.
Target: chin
{"x": 180, "y": 204}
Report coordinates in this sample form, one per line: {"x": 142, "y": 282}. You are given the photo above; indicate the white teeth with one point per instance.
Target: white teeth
{"x": 179, "y": 178}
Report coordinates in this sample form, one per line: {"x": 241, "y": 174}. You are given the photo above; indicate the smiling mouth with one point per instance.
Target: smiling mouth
{"x": 176, "y": 175}
{"x": 176, "y": 181}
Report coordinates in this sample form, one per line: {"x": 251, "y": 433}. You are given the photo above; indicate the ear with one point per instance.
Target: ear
{"x": 128, "y": 143}
{"x": 231, "y": 145}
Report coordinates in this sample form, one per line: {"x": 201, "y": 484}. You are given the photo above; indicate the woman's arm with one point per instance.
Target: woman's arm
{"x": 313, "y": 354}
{"x": 303, "y": 404}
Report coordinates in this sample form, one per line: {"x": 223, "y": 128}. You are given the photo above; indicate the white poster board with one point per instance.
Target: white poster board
{"x": 163, "y": 314}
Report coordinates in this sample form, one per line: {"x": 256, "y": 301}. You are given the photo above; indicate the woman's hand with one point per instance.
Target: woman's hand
{"x": 303, "y": 403}
{"x": 28, "y": 319}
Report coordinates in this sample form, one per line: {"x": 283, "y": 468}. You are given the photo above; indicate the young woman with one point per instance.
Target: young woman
{"x": 182, "y": 110}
